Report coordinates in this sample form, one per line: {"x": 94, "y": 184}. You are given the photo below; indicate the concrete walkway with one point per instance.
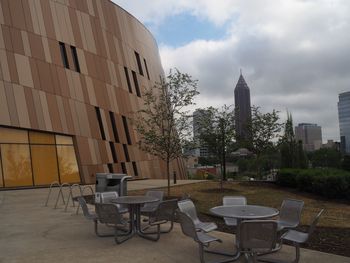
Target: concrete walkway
{"x": 31, "y": 232}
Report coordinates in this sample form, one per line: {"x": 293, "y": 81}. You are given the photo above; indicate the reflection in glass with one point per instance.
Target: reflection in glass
{"x": 60, "y": 139}
{"x": 44, "y": 162}
{"x": 41, "y": 138}
{"x": 67, "y": 164}
{"x": 16, "y": 165}
{"x": 13, "y": 135}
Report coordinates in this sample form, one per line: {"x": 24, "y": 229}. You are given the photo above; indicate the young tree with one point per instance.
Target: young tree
{"x": 216, "y": 132}
{"x": 163, "y": 124}
{"x": 264, "y": 128}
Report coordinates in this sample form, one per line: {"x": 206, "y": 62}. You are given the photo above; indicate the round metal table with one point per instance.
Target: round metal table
{"x": 243, "y": 212}
{"x": 134, "y": 202}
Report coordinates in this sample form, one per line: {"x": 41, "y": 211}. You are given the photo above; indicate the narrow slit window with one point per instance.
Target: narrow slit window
{"x": 124, "y": 168}
{"x": 126, "y": 129}
{"x": 144, "y": 61}
{"x": 127, "y": 79}
{"x": 126, "y": 152}
{"x": 114, "y": 127}
{"x": 136, "y": 84}
{"x": 64, "y": 54}
{"x": 99, "y": 119}
{"x": 75, "y": 58}
{"x": 136, "y": 172}
{"x": 110, "y": 167}
{"x": 113, "y": 151}
{"x": 137, "y": 55}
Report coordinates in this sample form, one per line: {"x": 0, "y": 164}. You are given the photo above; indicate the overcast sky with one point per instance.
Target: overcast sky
{"x": 294, "y": 54}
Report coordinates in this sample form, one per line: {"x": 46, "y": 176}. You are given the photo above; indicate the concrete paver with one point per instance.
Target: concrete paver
{"x": 31, "y": 232}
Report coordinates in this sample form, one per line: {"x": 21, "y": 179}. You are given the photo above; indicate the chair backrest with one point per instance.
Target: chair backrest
{"x": 314, "y": 222}
{"x": 258, "y": 235}
{"x": 157, "y": 194}
{"x": 166, "y": 210}
{"x": 187, "y": 226}
{"x": 234, "y": 200}
{"x": 290, "y": 211}
{"x": 84, "y": 207}
{"x": 187, "y": 207}
{"x": 108, "y": 197}
{"x": 108, "y": 214}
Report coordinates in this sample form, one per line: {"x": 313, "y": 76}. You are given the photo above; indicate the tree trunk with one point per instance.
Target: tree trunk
{"x": 168, "y": 174}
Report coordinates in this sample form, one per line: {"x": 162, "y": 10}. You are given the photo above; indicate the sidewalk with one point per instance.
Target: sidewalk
{"x": 31, "y": 232}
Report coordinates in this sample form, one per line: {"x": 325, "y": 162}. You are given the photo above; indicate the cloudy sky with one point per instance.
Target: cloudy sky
{"x": 294, "y": 54}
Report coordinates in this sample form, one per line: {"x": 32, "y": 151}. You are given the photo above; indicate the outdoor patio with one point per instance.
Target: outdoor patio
{"x": 31, "y": 232}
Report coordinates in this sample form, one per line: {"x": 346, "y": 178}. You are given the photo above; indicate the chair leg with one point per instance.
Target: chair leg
{"x": 117, "y": 237}
{"x": 98, "y": 234}
{"x": 201, "y": 253}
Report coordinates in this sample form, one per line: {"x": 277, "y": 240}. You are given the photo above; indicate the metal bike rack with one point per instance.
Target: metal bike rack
{"x": 82, "y": 194}
{"x": 61, "y": 193}
{"x": 70, "y": 196}
{"x": 55, "y": 183}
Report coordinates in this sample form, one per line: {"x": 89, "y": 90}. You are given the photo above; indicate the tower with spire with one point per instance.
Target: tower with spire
{"x": 243, "y": 113}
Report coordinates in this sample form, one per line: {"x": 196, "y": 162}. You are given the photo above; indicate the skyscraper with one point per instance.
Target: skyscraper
{"x": 344, "y": 121}
{"x": 310, "y": 134}
{"x": 202, "y": 151}
{"x": 243, "y": 113}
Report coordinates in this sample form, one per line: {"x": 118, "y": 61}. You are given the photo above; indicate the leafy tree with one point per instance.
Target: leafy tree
{"x": 264, "y": 128}
{"x": 216, "y": 132}
{"x": 326, "y": 157}
{"x": 292, "y": 153}
{"x": 164, "y": 122}
{"x": 345, "y": 164}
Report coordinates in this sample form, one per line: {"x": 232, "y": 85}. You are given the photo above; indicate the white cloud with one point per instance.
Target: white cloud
{"x": 294, "y": 53}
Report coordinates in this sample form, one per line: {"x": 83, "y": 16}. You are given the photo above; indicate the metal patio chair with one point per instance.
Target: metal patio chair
{"x": 109, "y": 214}
{"x": 88, "y": 215}
{"x": 164, "y": 213}
{"x": 187, "y": 207}
{"x": 290, "y": 214}
{"x": 152, "y": 207}
{"x": 189, "y": 229}
{"x": 233, "y": 200}
{"x": 257, "y": 236}
{"x": 109, "y": 197}
{"x": 297, "y": 237}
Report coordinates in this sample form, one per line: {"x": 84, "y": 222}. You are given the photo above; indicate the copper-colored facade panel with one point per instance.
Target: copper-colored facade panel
{"x": 24, "y": 71}
{"x": 80, "y": 91}
{"x": 12, "y": 67}
{"x": 4, "y": 109}
{"x": 38, "y": 109}
{"x": 11, "y": 103}
{"x": 7, "y": 37}
{"x": 36, "y": 46}
{"x": 6, "y": 12}
{"x": 45, "y": 76}
{"x": 54, "y": 113}
{"x": 17, "y": 42}
{"x": 21, "y": 106}
{"x": 17, "y": 14}
{"x": 27, "y": 15}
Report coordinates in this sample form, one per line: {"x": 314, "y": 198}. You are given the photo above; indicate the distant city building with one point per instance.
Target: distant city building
{"x": 201, "y": 151}
{"x": 310, "y": 134}
{"x": 243, "y": 113}
{"x": 344, "y": 121}
{"x": 330, "y": 144}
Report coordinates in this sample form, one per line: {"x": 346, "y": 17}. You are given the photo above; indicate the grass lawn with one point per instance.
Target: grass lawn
{"x": 332, "y": 234}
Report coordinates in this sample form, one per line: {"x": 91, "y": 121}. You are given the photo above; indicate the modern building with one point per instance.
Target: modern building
{"x": 72, "y": 73}
{"x": 344, "y": 121}
{"x": 202, "y": 150}
{"x": 243, "y": 112}
{"x": 310, "y": 134}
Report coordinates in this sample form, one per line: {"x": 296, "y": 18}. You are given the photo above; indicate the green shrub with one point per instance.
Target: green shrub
{"x": 330, "y": 183}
